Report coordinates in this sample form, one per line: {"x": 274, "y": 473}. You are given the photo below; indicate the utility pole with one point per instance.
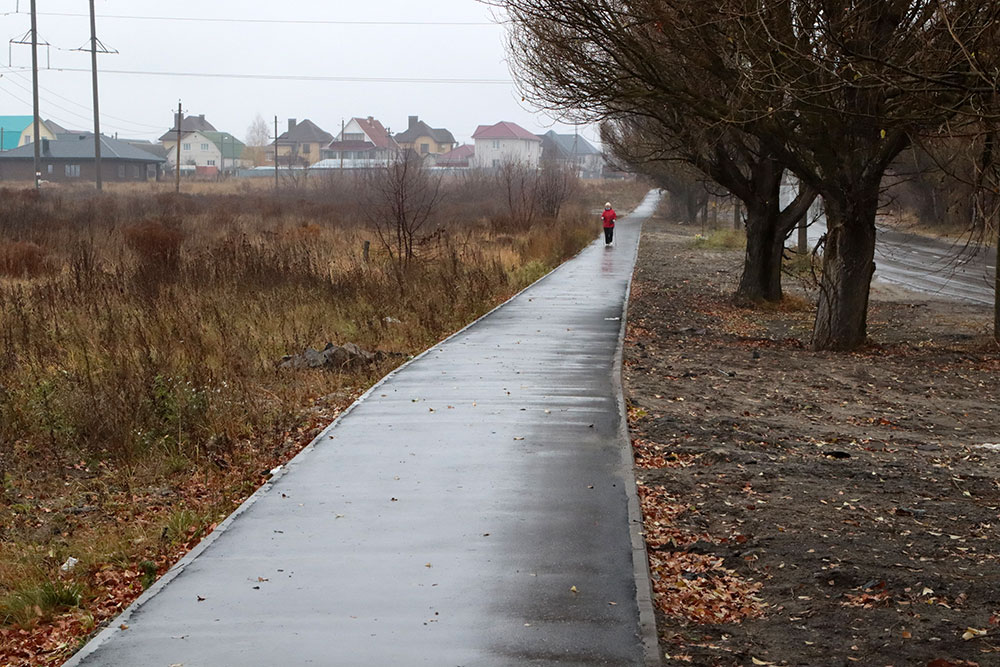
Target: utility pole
{"x": 177, "y": 169}
{"x": 343, "y": 127}
{"x": 97, "y": 112}
{"x": 275, "y": 155}
{"x": 34, "y": 95}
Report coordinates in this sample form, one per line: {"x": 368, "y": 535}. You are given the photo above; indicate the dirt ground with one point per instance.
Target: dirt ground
{"x": 809, "y": 508}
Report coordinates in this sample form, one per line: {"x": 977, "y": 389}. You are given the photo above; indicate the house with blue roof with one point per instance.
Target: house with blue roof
{"x": 18, "y": 131}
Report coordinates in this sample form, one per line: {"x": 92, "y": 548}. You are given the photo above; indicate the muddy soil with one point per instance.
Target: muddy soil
{"x": 808, "y": 508}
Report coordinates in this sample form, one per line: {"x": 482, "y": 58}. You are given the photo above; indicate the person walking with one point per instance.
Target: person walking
{"x": 609, "y": 216}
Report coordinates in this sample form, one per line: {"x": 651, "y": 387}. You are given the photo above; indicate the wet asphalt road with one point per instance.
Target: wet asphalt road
{"x": 937, "y": 267}
{"x": 444, "y": 520}
{"x": 940, "y": 268}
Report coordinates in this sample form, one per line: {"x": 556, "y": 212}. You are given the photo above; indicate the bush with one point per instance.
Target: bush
{"x": 157, "y": 245}
{"x": 22, "y": 259}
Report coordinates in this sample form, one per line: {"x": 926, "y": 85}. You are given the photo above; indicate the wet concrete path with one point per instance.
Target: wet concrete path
{"x": 444, "y": 520}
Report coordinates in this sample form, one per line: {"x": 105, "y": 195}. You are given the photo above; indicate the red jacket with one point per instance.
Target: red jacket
{"x": 609, "y": 217}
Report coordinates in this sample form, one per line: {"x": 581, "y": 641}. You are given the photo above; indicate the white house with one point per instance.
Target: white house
{"x": 206, "y": 151}
{"x": 506, "y": 143}
{"x": 362, "y": 144}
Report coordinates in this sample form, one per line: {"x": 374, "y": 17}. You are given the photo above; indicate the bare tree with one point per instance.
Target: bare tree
{"x": 834, "y": 88}
{"x": 742, "y": 166}
{"x": 556, "y": 184}
{"x": 399, "y": 200}
{"x": 519, "y": 183}
{"x": 257, "y": 140}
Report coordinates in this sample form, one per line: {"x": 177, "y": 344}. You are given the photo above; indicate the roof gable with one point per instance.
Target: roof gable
{"x": 230, "y": 147}
{"x": 13, "y": 126}
{"x": 504, "y": 130}
{"x": 375, "y": 132}
{"x": 570, "y": 145}
{"x": 422, "y": 129}
{"x": 305, "y": 131}
{"x": 189, "y": 124}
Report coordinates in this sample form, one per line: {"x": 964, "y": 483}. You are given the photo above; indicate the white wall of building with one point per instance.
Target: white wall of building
{"x": 491, "y": 153}
{"x": 198, "y": 150}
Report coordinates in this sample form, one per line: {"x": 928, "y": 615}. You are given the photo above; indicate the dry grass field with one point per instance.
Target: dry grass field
{"x": 141, "y": 398}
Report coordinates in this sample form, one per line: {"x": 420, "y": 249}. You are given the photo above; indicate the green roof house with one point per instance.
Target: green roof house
{"x": 18, "y": 131}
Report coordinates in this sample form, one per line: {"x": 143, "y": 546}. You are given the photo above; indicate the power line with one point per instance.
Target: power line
{"x": 126, "y": 124}
{"x": 288, "y": 77}
{"x": 200, "y": 19}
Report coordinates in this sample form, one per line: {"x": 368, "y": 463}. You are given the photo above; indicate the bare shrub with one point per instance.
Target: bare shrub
{"x": 399, "y": 201}
{"x": 157, "y": 245}
{"x": 23, "y": 259}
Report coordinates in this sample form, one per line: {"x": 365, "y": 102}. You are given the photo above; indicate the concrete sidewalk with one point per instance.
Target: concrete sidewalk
{"x": 472, "y": 509}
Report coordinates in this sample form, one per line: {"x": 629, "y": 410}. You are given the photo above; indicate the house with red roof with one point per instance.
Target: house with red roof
{"x": 459, "y": 158}
{"x": 363, "y": 143}
{"x": 504, "y": 143}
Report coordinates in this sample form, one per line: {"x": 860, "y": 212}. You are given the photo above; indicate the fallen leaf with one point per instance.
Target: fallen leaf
{"x": 761, "y": 662}
{"x": 972, "y": 633}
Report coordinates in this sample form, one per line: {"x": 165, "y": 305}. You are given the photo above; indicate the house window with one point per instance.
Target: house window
{"x": 72, "y": 171}
{"x": 354, "y": 136}
{"x": 186, "y": 147}
{"x": 211, "y": 163}
{"x": 136, "y": 171}
{"x": 306, "y": 148}
{"x": 121, "y": 171}
{"x": 496, "y": 144}
{"x": 50, "y": 168}
{"x": 204, "y": 147}
{"x": 425, "y": 149}
{"x": 496, "y": 164}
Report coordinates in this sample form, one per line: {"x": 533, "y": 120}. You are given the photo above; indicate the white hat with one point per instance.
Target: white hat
{"x": 607, "y": 205}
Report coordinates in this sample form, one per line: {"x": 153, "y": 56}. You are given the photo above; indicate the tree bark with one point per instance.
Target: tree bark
{"x": 848, "y": 266}
{"x": 761, "y": 279}
{"x": 996, "y": 294}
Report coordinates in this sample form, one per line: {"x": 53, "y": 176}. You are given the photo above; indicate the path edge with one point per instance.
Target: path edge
{"x": 115, "y": 625}
{"x": 640, "y": 558}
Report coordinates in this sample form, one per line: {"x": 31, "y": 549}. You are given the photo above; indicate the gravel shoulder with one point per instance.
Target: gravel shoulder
{"x": 809, "y": 508}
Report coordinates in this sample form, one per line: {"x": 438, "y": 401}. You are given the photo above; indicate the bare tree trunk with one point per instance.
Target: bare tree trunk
{"x": 761, "y": 279}
{"x": 996, "y": 293}
{"x": 848, "y": 266}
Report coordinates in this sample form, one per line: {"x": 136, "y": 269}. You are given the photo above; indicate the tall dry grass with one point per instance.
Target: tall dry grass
{"x": 140, "y": 334}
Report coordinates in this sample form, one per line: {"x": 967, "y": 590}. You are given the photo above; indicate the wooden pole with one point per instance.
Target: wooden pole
{"x": 177, "y": 169}
{"x": 276, "y": 155}
{"x": 97, "y": 108}
{"x": 34, "y": 95}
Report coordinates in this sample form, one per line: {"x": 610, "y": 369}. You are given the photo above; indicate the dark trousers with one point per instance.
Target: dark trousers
{"x": 609, "y": 235}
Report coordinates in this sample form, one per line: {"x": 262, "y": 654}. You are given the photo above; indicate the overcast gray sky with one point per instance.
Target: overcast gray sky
{"x": 317, "y": 38}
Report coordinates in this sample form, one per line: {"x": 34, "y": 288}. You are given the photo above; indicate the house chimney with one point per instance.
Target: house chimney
{"x": 413, "y": 122}
{"x": 202, "y": 116}
{"x": 291, "y": 124}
